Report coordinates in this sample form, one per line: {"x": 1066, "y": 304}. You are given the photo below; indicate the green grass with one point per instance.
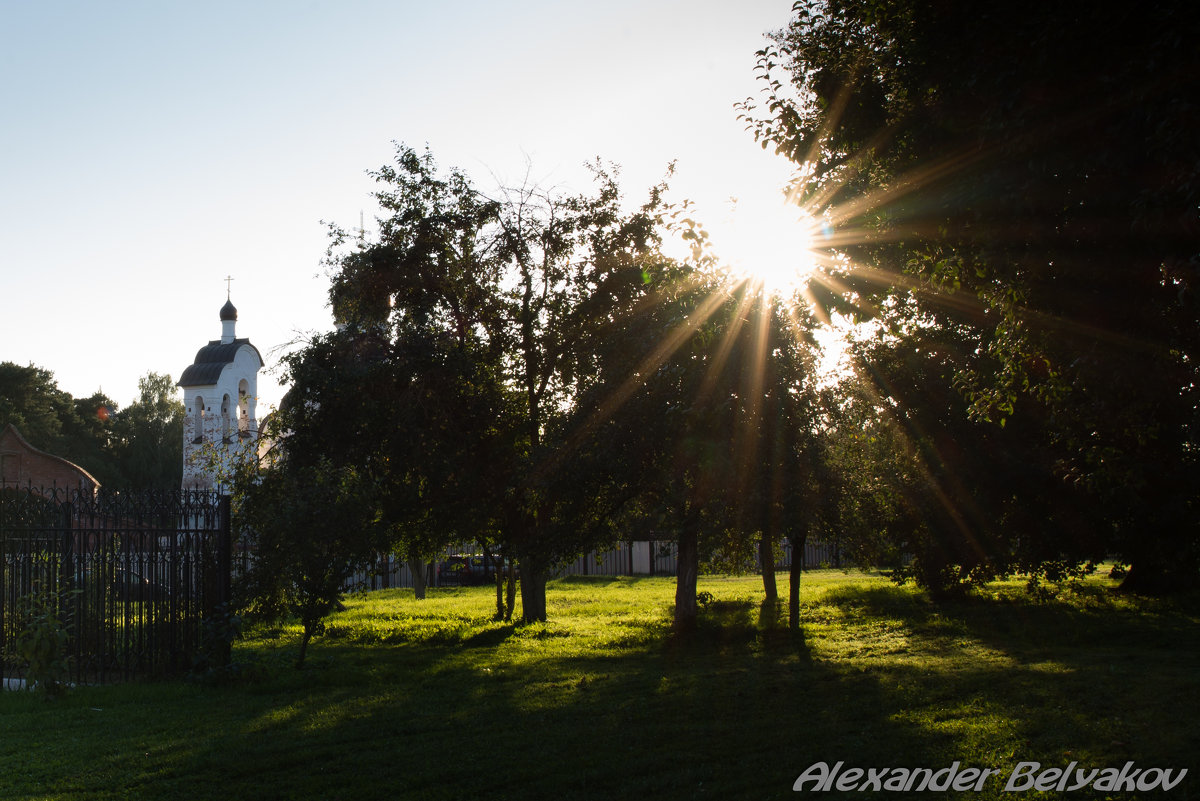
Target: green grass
{"x": 433, "y": 700}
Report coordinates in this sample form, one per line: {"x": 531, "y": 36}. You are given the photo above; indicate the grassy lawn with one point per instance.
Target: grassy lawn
{"x": 432, "y": 700}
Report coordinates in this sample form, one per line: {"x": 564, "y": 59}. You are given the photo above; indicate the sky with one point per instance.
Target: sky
{"x": 151, "y": 149}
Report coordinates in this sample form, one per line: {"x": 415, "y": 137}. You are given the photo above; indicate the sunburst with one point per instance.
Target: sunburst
{"x": 770, "y": 244}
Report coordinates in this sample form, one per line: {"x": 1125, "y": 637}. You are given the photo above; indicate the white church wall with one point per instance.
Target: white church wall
{"x": 220, "y": 425}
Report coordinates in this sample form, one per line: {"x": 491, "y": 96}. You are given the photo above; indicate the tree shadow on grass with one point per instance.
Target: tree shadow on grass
{"x": 740, "y": 624}
{"x": 715, "y": 715}
{"x": 738, "y": 710}
{"x": 1078, "y": 677}
{"x": 603, "y": 581}
{"x": 703, "y": 718}
{"x": 774, "y": 634}
{"x": 489, "y": 638}
{"x": 1022, "y": 626}
{"x": 717, "y": 621}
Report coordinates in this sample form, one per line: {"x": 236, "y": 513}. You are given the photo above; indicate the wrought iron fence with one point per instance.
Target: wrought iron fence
{"x": 129, "y": 576}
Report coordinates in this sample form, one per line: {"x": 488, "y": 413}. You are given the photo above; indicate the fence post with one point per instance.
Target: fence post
{"x": 225, "y": 568}
{"x": 66, "y": 564}
{"x": 225, "y": 550}
{"x": 66, "y": 579}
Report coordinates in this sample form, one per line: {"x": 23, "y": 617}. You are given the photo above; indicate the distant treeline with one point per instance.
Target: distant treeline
{"x": 138, "y": 446}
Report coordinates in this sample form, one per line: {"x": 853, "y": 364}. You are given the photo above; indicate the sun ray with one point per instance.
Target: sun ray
{"x": 727, "y": 343}
{"x": 657, "y": 357}
{"x": 755, "y": 381}
{"x": 925, "y": 459}
{"x": 770, "y": 244}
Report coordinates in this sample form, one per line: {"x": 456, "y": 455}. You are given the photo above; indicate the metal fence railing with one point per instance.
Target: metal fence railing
{"x": 129, "y": 577}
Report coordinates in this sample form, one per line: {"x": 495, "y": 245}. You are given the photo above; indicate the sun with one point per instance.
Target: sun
{"x": 771, "y": 244}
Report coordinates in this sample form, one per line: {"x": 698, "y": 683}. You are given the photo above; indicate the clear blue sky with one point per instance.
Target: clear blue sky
{"x": 149, "y": 149}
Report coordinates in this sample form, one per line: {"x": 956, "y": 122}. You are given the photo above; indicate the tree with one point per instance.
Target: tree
{"x": 462, "y": 350}
{"x": 51, "y": 420}
{"x": 416, "y": 418}
{"x": 147, "y": 436}
{"x": 31, "y": 400}
{"x": 310, "y": 527}
{"x": 137, "y": 447}
{"x": 698, "y": 419}
{"x": 87, "y": 437}
{"x": 532, "y": 373}
{"x": 1014, "y": 187}
{"x": 576, "y": 265}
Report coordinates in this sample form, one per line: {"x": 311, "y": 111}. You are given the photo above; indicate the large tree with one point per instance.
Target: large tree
{"x": 1015, "y": 188}
{"x": 698, "y": 419}
{"x": 462, "y": 349}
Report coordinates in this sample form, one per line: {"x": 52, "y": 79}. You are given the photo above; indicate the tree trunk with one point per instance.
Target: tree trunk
{"x": 512, "y": 591}
{"x": 766, "y": 557}
{"x": 499, "y": 581}
{"x": 794, "y": 582}
{"x": 496, "y": 564}
{"x": 417, "y": 568}
{"x": 685, "y": 582}
{"x": 533, "y": 594}
{"x": 309, "y": 630}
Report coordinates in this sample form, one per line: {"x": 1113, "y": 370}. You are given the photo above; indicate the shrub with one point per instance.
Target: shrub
{"x": 44, "y": 638}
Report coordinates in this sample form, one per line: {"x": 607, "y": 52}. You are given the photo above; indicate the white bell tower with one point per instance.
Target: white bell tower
{"x": 220, "y": 391}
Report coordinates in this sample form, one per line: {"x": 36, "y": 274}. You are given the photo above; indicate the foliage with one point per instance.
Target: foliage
{"x": 54, "y": 422}
{"x": 700, "y": 421}
{"x": 31, "y": 400}
{"x": 42, "y": 643}
{"x": 140, "y": 446}
{"x": 941, "y": 498}
{"x": 309, "y": 526}
{"x": 220, "y": 629}
{"x": 533, "y": 373}
{"x": 148, "y": 436}
{"x": 1013, "y": 189}
{"x": 465, "y": 338}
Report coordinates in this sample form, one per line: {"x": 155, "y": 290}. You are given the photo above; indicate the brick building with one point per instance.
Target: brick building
{"x": 23, "y": 465}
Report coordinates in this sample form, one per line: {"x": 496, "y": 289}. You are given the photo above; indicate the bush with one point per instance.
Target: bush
{"x": 43, "y": 641}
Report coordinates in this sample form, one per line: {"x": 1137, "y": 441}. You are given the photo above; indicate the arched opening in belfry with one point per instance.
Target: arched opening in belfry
{"x": 226, "y": 427}
{"x": 198, "y": 420}
{"x": 243, "y": 408}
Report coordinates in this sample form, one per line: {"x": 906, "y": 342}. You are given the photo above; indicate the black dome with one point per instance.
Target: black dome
{"x": 228, "y": 312}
